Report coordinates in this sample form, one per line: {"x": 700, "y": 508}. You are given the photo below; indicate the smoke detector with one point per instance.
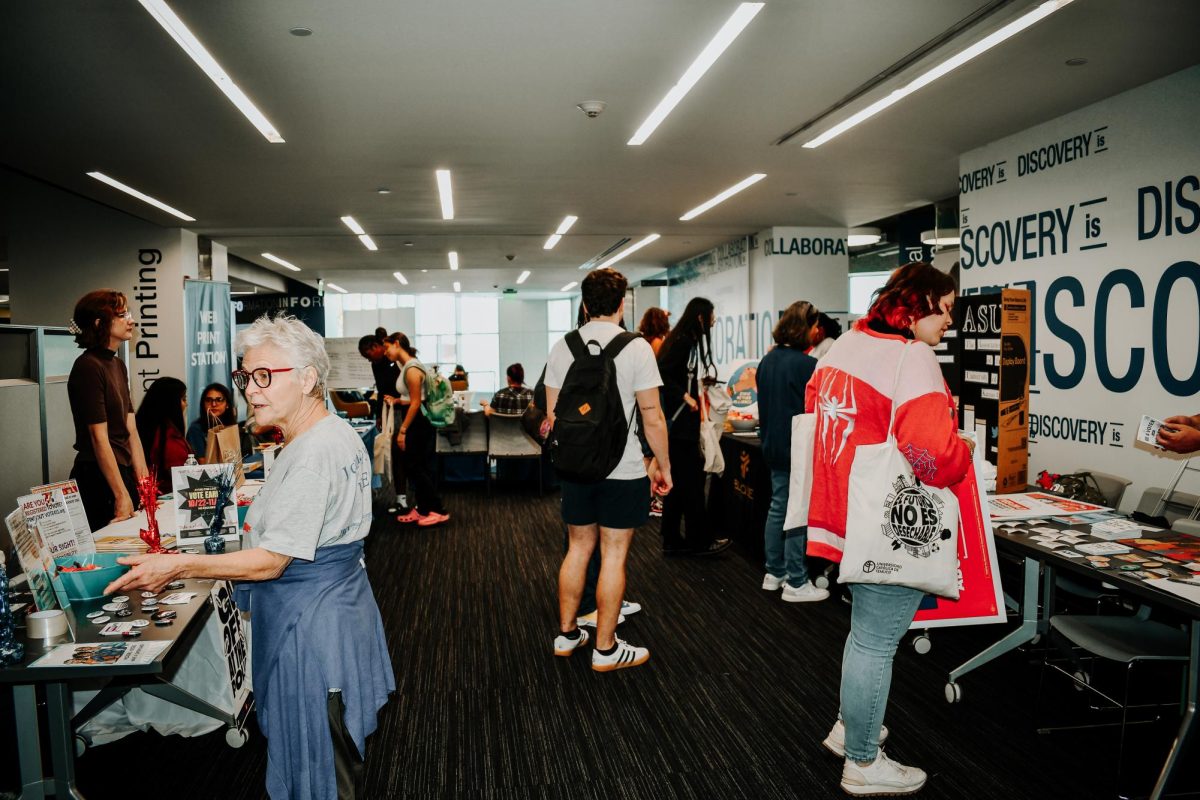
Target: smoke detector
{"x": 592, "y": 108}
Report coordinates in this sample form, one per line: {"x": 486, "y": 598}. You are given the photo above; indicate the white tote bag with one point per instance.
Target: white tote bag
{"x": 800, "y": 479}
{"x": 710, "y": 437}
{"x": 383, "y": 441}
{"x": 898, "y": 530}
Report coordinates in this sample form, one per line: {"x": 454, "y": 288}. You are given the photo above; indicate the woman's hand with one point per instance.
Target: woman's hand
{"x": 400, "y": 440}
{"x": 691, "y": 401}
{"x": 150, "y": 572}
{"x": 123, "y": 507}
{"x": 970, "y": 443}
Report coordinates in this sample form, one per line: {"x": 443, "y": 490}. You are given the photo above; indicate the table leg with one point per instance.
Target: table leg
{"x": 62, "y": 740}
{"x": 1032, "y": 624}
{"x": 29, "y": 742}
{"x": 1189, "y": 715}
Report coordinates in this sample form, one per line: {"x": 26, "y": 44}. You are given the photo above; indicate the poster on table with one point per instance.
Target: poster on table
{"x": 47, "y": 513}
{"x": 70, "y": 490}
{"x": 1035, "y": 505}
{"x": 981, "y": 598}
{"x": 195, "y": 503}
{"x": 101, "y": 654}
{"x": 34, "y": 559}
{"x": 208, "y": 347}
{"x": 1097, "y": 214}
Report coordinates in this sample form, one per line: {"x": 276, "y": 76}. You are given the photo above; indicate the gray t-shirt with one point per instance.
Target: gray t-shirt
{"x": 319, "y": 493}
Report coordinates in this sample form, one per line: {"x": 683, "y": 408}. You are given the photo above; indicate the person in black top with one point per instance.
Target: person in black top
{"x": 686, "y": 367}
{"x": 372, "y": 348}
{"x": 109, "y": 457}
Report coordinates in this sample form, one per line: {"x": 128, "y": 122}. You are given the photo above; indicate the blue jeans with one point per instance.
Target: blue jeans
{"x": 785, "y": 549}
{"x": 879, "y": 617}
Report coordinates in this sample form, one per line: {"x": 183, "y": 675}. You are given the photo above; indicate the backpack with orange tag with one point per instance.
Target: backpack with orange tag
{"x": 590, "y": 429}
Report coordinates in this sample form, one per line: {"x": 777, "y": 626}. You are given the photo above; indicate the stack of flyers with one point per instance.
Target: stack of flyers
{"x": 1114, "y": 529}
{"x": 1147, "y": 430}
{"x": 1101, "y": 548}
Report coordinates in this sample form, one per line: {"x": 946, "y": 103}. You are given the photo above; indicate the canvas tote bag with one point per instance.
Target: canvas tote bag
{"x": 800, "y": 478}
{"x": 899, "y": 531}
{"x": 382, "y": 455}
{"x": 710, "y": 435}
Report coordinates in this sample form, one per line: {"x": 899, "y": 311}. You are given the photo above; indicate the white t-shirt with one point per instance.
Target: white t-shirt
{"x": 637, "y": 371}
{"x": 319, "y": 493}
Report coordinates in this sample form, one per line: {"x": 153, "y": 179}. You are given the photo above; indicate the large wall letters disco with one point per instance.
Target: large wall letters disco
{"x": 1097, "y": 214}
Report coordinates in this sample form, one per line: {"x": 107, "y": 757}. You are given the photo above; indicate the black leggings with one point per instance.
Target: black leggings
{"x": 685, "y": 502}
{"x": 420, "y": 464}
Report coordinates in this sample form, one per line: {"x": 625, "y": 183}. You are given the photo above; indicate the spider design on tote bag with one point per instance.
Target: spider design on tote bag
{"x": 837, "y": 408}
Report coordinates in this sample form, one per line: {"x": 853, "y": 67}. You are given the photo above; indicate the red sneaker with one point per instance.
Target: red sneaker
{"x": 433, "y": 518}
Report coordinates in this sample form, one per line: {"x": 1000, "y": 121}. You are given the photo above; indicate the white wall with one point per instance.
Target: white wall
{"x": 1116, "y": 294}
{"x": 524, "y": 336}
{"x": 61, "y": 246}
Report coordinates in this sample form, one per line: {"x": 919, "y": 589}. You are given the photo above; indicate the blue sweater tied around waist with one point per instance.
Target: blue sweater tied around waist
{"x": 315, "y": 628}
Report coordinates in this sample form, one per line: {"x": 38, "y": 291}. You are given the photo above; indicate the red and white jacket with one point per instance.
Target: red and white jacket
{"x": 851, "y": 394}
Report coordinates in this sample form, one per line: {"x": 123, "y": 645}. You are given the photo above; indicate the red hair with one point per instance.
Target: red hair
{"x": 912, "y": 293}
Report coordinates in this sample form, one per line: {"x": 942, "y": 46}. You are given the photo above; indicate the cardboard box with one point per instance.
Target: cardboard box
{"x": 993, "y": 356}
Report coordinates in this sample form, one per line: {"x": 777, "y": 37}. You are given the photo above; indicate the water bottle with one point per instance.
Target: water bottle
{"x": 191, "y": 460}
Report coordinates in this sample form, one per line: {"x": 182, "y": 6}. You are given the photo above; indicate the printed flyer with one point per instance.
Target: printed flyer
{"x": 99, "y": 654}
{"x": 195, "y": 501}
{"x": 48, "y": 513}
{"x": 79, "y": 522}
{"x": 34, "y": 560}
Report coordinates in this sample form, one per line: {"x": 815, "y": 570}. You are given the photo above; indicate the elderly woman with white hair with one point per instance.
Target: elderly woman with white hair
{"x": 320, "y": 663}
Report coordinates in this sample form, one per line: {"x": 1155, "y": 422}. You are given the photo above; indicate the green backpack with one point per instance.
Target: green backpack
{"x": 438, "y": 406}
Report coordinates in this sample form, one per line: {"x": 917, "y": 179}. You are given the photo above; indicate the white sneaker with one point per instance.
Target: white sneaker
{"x": 881, "y": 777}
{"x": 629, "y": 608}
{"x": 589, "y": 620}
{"x": 773, "y": 584}
{"x": 835, "y": 742}
{"x": 565, "y": 645}
{"x": 804, "y": 594}
{"x": 624, "y": 657}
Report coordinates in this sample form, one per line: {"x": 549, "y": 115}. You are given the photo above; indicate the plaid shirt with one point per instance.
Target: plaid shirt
{"x": 512, "y": 401}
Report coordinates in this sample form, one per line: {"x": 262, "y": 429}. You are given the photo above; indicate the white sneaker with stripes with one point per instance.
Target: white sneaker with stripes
{"x": 565, "y": 645}
{"x": 624, "y": 656}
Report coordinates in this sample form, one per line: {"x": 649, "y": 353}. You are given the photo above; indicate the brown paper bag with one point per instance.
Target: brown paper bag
{"x": 224, "y": 446}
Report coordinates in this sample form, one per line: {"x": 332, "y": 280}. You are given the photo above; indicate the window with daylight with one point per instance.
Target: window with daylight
{"x": 863, "y": 286}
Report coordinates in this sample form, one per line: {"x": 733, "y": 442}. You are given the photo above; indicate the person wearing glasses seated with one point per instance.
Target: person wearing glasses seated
{"x": 321, "y": 664}
{"x": 108, "y": 451}
{"x": 216, "y": 411}
{"x": 514, "y": 398}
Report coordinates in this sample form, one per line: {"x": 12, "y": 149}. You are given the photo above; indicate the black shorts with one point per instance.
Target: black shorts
{"x": 616, "y": 504}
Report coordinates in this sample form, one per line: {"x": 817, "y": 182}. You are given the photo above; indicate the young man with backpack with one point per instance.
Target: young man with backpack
{"x": 597, "y": 378}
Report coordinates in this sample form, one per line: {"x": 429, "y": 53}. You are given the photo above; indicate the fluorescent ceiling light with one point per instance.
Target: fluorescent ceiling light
{"x": 447, "y": 197}
{"x": 368, "y": 242}
{"x": 563, "y": 227}
{"x": 568, "y": 287}
{"x": 860, "y": 237}
{"x": 336, "y": 288}
{"x": 723, "y": 196}
{"x": 353, "y": 225}
{"x": 453, "y": 256}
{"x": 281, "y": 262}
{"x": 401, "y": 278}
{"x": 729, "y": 31}
{"x": 457, "y": 286}
{"x": 145, "y": 198}
{"x": 940, "y": 237}
{"x": 523, "y": 276}
{"x": 631, "y": 249}
{"x": 191, "y": 45}
{"x": 953, "y": 62}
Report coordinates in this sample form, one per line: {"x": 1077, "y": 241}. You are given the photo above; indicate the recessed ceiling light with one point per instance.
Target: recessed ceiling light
{"x": 563, "y": 227}
{"x": 300, "y": 30}
{"x": 424, "y": 270}
{"x": 955, "y": 61}
{"x": 1075, "y": 62}
{"x": 569, "y": 287}
{"x": 453, "y": 256}
{"x": 860, "y": 237}
{"x": 433, "y": 287}
{"x": 368, "y": 242}
{"x": 352, "y": 224}
{"x": 445, "y": 194}
{"x": 281, "y": 262}
{"x": 654, "y": 237}
{"x": 522, "y": 277}
{"x": 336, "y": 288}
{"x": 400, "y": 277}
{"x": 383, "y": 190}
{"x": 729, "y": 31}
{"x": 191, "y": 45}
{"x": 791, "y": 194}
{"x": 408, "y": 244}
{"x": 723, "y": 196}
{"x": 457, "y": 286}
{"x": 145, "y": 198}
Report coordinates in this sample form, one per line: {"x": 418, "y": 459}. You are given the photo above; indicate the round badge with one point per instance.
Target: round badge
{"x": 157, "y": 615}
{"x": 149, "y": 594}
{"x": 140, "y": 623}
{"x": 111, "y": 606}
{"x": 101, "y": 620}
{"x": 162, "y": 623}
{"x": 94, "y": 614}
{"x": 175, "y": 585}
{"x": 149, "y": 604}
{"x": 124, "y": 612}
{"x": 121, "y": 600}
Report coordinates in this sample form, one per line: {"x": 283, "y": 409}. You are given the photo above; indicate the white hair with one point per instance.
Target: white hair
{"x": 304, "y": 345}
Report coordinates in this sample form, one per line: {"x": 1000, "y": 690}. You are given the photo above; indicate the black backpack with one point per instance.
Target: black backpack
{"x": 590, "y": 429}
